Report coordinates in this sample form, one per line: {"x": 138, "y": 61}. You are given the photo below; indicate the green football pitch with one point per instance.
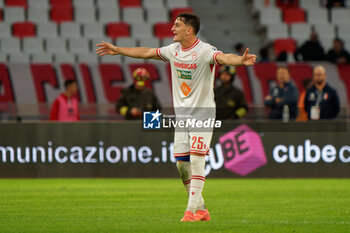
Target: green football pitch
{"x": 156, "y": 205}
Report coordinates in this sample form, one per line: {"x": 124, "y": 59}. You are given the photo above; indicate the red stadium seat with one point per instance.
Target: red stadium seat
{"x": 300, "y": 72}
{"x": 61, "y": 14}
{"x": 287, "y": 4}
{"x": 24, "y": 29}
{"x": 176, "y": 11}
{"x": 265, "y": 72}
{"x": 0, "y": 15}
{"x": 116, "y": 30}
{"x": 130, "y": 3}
{"x": 287, "y": 45}
{"x": 344, "y": 71}
{"x": 16, "y": 3}
{"x": 242, "y": 74}
{"x": 6, "y": 94}
{"x": 61, "y": 3}
{"x": 293, "y": 15}
{"x": 111, "y": 75}
{"x": 163, "y": 30}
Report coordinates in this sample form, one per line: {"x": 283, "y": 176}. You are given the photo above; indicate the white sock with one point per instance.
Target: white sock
{"x": 196, "y": 200}
{"x": 185, "y": 174}
{"x": 184, "y": 169}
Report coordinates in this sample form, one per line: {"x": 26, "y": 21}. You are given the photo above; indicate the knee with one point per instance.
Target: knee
{"x": 197, "y": 162}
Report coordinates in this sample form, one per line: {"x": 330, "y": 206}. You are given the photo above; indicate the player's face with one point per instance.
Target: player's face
{"x": 179, "y": 29}
{"x": 319, "y": 75}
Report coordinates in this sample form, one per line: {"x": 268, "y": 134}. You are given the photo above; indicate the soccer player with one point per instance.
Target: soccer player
{"x": 193, "y": 88}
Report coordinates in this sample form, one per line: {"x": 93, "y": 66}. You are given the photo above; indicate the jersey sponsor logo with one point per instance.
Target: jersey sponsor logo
{"x": 185, "y": 65}
{"x": 151, "y": 120}
{"x": 185, "y": 89}
{"x": 184, "y": 74}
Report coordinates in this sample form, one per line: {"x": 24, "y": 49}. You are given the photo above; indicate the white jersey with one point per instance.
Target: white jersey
{"x": 192, "y": 74}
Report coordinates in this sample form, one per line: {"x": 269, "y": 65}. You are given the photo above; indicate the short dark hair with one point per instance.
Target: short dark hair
{"x": 69, "y": 82}
{"x": 337, "y": 39}
{"x": 283, "y": 67}
{"x": 190, "y": 19}
{"x": 239, "y": 46}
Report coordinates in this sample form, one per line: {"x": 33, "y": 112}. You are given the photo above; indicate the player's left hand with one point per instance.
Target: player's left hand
{"x": 248, "y": 59}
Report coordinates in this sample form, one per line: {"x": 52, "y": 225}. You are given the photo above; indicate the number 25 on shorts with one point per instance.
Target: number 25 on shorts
{"x": 197, "y": 143}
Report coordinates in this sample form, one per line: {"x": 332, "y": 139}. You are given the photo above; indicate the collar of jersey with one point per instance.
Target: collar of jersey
{"x": 192, "y": 46}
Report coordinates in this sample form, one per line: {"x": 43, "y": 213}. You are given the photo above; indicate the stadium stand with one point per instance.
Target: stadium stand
{"x": 41, "y": 58}
{"x": 14, "y": 14}
{"x": 38, "y": 14}
{"x": 5, "y": 29}
{"x": 130, "y": 3}
{"x": 33, "y": 45}
{"x": 300, "y": 32}
{"x": 42, "y": 4}
{"x": 47, "y": 30}
{"x": 55, "y": 3}
{"x": 106, "y": 4}
{"x": 293, "y": 15}
{"x": 61, "y": 13}
{"x": 70, "y": 30}
{"x": 16, "y": 3}
{"x": 108, "y": 14}
{"x": 115, "y": 30}
{"x": 23, "y": 29}
{"x": 284, "y": 45}
{"x": 162, "y": 30}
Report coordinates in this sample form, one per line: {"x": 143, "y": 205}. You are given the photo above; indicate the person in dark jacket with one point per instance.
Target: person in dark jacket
{"x": 230, "y": 101}
{"x": 136, "y": 98}
{"x": 338, "y": 54}
{"x": 321, "y": 100}
{"x": 311, "y": 50}
{"x": 285, "y": 93}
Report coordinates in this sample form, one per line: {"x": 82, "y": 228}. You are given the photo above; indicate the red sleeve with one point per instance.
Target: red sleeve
{"x": 54, "y": 111}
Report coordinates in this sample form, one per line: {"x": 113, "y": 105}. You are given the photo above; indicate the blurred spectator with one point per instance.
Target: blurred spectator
{"x": 240, "y": 48}
{"x": 66, "y": 105}
{"x": 282, "y": 56}
{"x": 321, "y": 101}
{"x": 264, "y": 55}
{"x": 230, "y": 101}
{"x": 302, "y": 114}
{"x": 311, "y": 50}
{"x": 338, "y": 54}
{"x": 137, "y": 98}
{"x": 285, "y": 93}
{"x": 335, "y": 3}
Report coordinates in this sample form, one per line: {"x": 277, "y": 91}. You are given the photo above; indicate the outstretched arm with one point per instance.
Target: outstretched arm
{"x": 234, "y": 60}
{"x": 105, "y": 48}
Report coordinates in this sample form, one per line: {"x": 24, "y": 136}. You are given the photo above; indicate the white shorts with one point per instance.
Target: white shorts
{"x": 191, "y": 141}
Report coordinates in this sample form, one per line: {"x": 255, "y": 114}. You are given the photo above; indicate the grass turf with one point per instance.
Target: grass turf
{"x": 156, "y": 205}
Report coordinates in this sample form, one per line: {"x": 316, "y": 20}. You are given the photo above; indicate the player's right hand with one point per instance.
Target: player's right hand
{"x": 106, "y": 49}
